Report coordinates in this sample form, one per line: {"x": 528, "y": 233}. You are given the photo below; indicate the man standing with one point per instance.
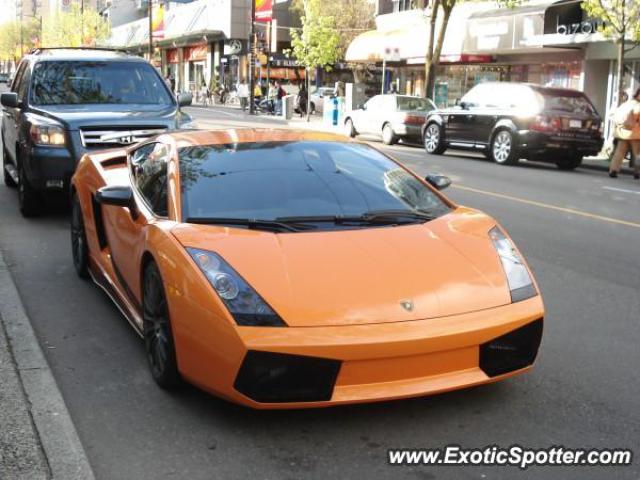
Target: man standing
{"x": 627, "y": 133}
{"x": 243, "y": 94}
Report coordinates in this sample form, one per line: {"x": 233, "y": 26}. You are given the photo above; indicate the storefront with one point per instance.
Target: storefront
{"x": 195, "y": 60}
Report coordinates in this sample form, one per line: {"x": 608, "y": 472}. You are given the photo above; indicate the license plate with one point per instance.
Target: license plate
{"x": 575, "y": 123}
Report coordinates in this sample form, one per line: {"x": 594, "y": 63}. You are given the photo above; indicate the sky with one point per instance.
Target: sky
{"x": 7, "y": 10}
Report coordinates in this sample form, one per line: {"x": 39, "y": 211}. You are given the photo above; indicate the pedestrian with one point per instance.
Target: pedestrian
{"x": 272, "y": 95}
{"x": 243, "y": 94}
{"x": 393, "y": 90}
{"x": 627, "y": 133}
{"x": 303, "y": 98}
{"x": 279, "y": 96}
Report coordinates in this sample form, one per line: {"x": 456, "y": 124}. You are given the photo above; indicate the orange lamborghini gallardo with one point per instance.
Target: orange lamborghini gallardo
{"x": 283, "y": 269}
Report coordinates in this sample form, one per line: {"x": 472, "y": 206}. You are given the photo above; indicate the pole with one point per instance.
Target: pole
{"x": 21, "y": 39}
{"x": 81, "y": 22}
{"x": 384, "y": 73}
{"x": 150, "y": 8}
{"x": 252, "y": 48}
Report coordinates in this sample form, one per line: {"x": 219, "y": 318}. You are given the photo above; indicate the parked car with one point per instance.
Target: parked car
{"x": 510, "y": 121}
{"x": 317, "y": 272}
{"x": 316, "y": 99}
{"x": 4, "y": 78}
{"x": 391, "y": 116}
{"x": 64, "y": 103}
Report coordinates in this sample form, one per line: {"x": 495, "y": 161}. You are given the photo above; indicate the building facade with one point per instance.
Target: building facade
{"x": 545, "y": 42}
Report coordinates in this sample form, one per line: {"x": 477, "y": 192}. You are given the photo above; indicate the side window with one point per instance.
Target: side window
{"x": 23, "y": 86}
{"x": 477, "y": 97}
{"x": 18, "y": 77}
{"x": 149, "y": 170}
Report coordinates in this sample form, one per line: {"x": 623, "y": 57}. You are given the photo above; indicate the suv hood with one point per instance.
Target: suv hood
{"x": 76, "y": 116}
{"x": 445, "y": 267}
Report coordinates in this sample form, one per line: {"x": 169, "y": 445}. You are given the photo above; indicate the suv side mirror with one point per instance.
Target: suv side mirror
{"x": 118, "y": 196}
{"x": 10, "y": 100}
{"x": 184, "y": 99}
{"x": 437, "y": 181}
{"x": 464, "y": 105}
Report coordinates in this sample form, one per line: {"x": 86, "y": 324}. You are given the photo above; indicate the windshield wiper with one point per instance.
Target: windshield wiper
{"x": 255, "y": 224}
{"x": 372, "y": 217}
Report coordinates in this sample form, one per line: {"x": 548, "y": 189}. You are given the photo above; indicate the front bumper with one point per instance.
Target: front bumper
{"x": 366, "y": 363}
{"x": 541, "y": 144}
{"x": 50, "y": 168}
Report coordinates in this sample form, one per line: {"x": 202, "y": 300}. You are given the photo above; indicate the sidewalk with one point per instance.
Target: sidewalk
{"x": 37, "y": 437}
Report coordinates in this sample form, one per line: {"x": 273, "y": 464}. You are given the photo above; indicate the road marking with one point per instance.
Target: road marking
{"x": 549, "y": 206}
{"x": 637, "y": 192}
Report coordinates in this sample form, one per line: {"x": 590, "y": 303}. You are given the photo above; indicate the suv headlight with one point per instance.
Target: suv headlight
{"x": 518, "y": 278}
{"x": 49, "y": 135}
{"x": 245, "y": 304}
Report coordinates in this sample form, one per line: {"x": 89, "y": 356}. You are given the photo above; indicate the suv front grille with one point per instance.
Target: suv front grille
{"x": 107, "y": 137}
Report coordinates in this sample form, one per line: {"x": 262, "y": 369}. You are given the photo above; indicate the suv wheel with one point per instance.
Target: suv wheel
{"x": 432, "y": 140}
{"x": 388, "y": 135}
{"x": 503, "y": 150}
{"x": 569, "y": 163}
{"x": 8, "y": 179}
{"x": 28, "y": 198}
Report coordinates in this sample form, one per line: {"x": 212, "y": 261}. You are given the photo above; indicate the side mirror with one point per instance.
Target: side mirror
{"x": 464, "y": 105}
{"x": 184, "y": 99}
{"x": 437, "y": 181}
{"x": 10, "y": 100}
{"x": 118, "y": 196}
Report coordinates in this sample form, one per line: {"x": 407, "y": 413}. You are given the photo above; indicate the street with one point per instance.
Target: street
{"x": 580, "y": 232}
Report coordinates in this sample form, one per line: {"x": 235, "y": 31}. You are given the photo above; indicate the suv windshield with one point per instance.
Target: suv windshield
{"x": 300, "y": 182}
{"x": 407, "y": 104}
{"x": 97, "y": 82}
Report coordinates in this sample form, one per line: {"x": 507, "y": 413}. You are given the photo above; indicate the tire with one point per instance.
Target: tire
{"x": 389, "y": 137}
{"x": 79, "y": 247}
{"x": 432, "y": 140}
{"x": 158, "y": 337}
{"x": 8, "y": 179}
{"x": 503, "y": 149}
{"x": 29, "y": 199}
{"x": 312, "y": 108}
{"x": 569, "y": 163}
{"x": 349, "y": 129}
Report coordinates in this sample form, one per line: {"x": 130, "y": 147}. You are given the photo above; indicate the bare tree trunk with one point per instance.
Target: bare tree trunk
{"x": 621, "y": 45}
{"x": 428, "y": 59}
{"x": 446, "y": 13}
{"x": 308, "y": 82}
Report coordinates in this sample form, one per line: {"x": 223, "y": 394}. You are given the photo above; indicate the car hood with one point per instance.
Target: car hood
{"x": 76, "y": 116}
{"x": 364, "y": 276}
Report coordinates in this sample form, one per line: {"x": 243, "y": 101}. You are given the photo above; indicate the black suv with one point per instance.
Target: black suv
{"x": 510, "y": 121}
{"x": 66, "y": 102}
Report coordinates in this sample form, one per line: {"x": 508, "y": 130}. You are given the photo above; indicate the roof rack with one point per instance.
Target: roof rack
{"x": 36, "y": 51}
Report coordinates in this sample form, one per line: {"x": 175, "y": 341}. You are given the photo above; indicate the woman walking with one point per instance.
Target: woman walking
{"x": 627, "y": 133}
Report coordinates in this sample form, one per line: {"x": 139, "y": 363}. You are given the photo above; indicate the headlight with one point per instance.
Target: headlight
{"x": 518, "y": 278}
{"x": 243, "y": 302}
{"x": 51, "y": 135}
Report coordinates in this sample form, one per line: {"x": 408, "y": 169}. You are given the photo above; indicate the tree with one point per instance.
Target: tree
{"x": 317, "y": 43}
{"x": 10, "y": 38}
{"x": 351, "y": 17}
{"x": 621, "y": 24}
{"x": 75, "y": 28}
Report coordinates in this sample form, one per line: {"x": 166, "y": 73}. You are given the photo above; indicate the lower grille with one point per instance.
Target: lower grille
{"x": 108, "y": 137}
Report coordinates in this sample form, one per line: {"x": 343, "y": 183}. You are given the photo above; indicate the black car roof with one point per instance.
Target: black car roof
{"x": 87, "y": 54}
{"x": 540, "y": 88}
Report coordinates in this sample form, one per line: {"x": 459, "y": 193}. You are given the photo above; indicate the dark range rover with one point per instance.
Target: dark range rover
{"x": 510, "y": 121}
{"x": 65, "y": 102}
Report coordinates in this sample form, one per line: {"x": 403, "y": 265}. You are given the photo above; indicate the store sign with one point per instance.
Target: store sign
{"x": 157, "y": 22}
{"x": 233, "y": 47}
{"x": 197, "y": 52}
{"x": 586, "y": 27}
{"x": 172, "y": 55}
{"x": 264, "y": 10}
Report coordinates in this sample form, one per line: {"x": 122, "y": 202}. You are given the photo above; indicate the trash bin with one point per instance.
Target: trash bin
{"x": 287, "y": 106}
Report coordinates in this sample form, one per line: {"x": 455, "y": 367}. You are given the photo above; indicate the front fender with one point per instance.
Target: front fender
{"x": 433, "y": 118}
{"x": 505, "y": 123}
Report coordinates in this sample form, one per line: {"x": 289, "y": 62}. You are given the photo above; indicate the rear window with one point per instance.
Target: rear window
{"x": 570, "y": 103}
{"x": 408, "y": 104}
{"x": 86, "y": 82}
{"x": 271, "y": 180}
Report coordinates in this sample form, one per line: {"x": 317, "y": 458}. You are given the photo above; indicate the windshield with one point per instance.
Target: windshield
{"x": 86, "y": 82}
{"x": 569, "y": 104}
{"x": 407, "y": 104}
{"x": 273, "y": 181}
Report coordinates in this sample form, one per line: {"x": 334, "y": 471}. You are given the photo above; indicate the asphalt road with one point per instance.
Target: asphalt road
{"x": 580, "y": 232}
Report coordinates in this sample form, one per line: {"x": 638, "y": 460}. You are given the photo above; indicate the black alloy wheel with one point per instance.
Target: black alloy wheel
{"x": 79, "y": 247}
{"x": 158, "y": 338}
{"x": 433, "y": 142}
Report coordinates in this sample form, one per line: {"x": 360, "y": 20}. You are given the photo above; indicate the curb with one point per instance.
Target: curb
{"x": 59, "y": 441}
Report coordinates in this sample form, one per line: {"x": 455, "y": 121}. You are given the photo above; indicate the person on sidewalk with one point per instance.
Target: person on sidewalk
{"x": 302, "y": 100}
{"x": 627, "y": 132}
{"x": 279, "y": 96}
{"x": 243, "y": 94}
{"x": 272, "y": 95}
